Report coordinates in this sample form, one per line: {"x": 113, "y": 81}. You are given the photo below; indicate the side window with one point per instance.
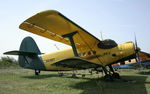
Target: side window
{"x": 94, "y": 52}
{"x": 114, "y": 55}
{"x": 84, "y": 54}
{"x": 89, "y": 53}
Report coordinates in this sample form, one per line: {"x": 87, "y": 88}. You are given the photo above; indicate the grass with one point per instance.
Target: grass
{"x": 23, "y": 81}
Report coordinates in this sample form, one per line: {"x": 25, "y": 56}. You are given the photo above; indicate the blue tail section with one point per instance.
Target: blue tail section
{"x": 28, "y": 55}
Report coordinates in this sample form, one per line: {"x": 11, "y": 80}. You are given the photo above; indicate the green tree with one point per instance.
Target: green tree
{"x": 8, "y": 62}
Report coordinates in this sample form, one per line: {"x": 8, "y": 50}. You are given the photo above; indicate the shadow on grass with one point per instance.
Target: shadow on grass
{"x": 144, "y": 72}
{"x": 43, "y": 76}
{"x": 135, "y": 85}
{"x": 131, "y": 84}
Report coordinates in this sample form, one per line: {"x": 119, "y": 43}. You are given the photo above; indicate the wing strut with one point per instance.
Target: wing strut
{"x": 70, "y": 36}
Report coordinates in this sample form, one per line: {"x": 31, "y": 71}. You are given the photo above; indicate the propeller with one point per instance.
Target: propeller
{"x": 137, "y": 50}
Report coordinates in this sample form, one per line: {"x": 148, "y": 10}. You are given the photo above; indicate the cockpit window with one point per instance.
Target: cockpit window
{"x": 107, "y": 44}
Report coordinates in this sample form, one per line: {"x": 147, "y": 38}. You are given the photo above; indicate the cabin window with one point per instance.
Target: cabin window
{"x": 84, "y": 54}
{"x": 114, "y": 55}
{"x": 89, "y": 53}
{"x": 94, "y": 52}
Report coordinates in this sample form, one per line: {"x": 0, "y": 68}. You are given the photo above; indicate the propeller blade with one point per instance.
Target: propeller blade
{"x": 135, "y": 41}
{"x": 137, "y": 50}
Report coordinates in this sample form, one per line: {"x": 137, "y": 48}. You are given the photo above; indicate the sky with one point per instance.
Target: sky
{"x": 116, "y": 19}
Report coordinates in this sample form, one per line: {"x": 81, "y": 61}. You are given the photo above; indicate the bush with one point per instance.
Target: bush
{"x": 8, "y": 62}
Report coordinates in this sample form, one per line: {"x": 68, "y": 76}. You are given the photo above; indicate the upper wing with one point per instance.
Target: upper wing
{"x": 52, "y": 24}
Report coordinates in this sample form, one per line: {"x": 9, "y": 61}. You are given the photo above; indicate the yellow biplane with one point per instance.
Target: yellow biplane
{"x": 87, "y": 52}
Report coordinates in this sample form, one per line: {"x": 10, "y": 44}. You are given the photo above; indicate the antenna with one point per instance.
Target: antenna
{"x": 101, "y": 35}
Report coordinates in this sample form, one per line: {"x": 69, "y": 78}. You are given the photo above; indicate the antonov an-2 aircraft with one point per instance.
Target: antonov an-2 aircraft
{"x": 87, "y": 51}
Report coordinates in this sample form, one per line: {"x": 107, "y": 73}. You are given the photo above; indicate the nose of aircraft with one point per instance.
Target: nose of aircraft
{"x": 127, "y": 49}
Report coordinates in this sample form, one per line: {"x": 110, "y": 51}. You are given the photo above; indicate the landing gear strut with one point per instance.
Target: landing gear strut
{"x": 110, "y": 75}
{"x": 37, "y": 72}
{"x": 114, "y": 74}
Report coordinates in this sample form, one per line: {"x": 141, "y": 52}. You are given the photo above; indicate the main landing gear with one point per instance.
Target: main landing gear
{"x": 37, "y": 72}
{"x": 110, "y": 74}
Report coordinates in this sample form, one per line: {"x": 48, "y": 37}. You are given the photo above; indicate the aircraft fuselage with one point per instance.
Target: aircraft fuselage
{"x": 122, "y": 52}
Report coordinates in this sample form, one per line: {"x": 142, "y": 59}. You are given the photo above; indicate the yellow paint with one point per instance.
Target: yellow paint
{"x": 104, "y": 56}
{"x": 52, "y": 24}
{"x": 54, "y": 57}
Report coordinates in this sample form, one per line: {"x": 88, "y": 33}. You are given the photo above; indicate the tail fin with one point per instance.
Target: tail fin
{"x": 29, "y": 45}
{"x": 28, "y": 54}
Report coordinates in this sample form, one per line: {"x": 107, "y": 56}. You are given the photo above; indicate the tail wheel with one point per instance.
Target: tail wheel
{"x": 37, "y": 72}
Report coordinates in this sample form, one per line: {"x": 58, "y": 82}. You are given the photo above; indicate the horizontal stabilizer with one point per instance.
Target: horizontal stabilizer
{"x": 20, "y": 53}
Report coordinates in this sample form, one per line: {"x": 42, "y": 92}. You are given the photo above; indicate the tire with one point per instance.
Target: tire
{"x": 116, "y": 76}
{"x": 37, "y": 72}
{"x": 108, "y": 77}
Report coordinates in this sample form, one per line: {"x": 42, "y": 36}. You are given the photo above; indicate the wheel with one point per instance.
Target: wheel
{"x": 116, "y": 76}
{"x": 37, "y": 72}
{"x": 108, "y": 77}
